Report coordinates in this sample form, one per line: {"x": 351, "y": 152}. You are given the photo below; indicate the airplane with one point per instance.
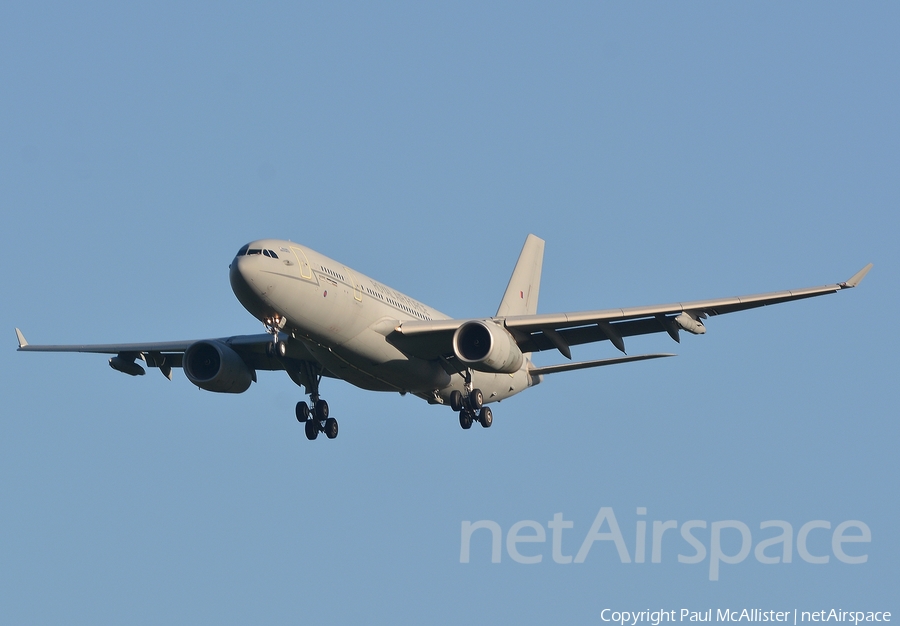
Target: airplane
{"x": 325, "y": 320}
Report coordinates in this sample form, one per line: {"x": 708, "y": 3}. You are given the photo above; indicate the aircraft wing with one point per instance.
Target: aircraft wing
{"x": 165, "y": 355}
{"x": 559, "y": 331}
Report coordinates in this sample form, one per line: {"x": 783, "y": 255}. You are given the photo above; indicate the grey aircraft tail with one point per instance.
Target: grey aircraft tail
{"x": 521, "y": 297}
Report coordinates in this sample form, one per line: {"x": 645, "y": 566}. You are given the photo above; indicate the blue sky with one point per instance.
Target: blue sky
{"x": 664, "y": 152}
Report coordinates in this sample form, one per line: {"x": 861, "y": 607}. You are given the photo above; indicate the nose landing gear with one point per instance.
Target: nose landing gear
{"x": 278, "y": 347}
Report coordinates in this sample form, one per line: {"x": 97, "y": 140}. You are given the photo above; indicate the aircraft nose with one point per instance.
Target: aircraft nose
{"x": 241, "y": 278}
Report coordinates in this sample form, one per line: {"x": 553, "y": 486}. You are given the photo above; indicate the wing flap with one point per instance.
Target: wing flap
{"x": 539, "y": 341}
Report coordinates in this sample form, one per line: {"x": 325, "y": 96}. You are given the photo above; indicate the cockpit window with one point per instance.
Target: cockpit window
{"x": 246, "y": 250}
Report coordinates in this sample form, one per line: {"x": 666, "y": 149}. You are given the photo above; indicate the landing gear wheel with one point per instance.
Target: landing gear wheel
{"x": 302, "y": 412}
{"x": 321, "y": 410}
{"x": 281, "y": 348}
{"x": 331, "y": 428}
{"x": 456, "y": 400}
{"x": 312, "y": 429}
{"x": 486, "y": 417}
{"x": 476, "y": 399}
{"x": 465, "y": 420}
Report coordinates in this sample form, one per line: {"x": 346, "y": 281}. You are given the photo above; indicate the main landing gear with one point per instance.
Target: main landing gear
{"x": 470, "y": 408}
{"x": 315, "y": 418}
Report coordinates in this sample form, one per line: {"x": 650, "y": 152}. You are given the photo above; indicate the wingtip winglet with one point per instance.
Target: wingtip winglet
{"x": 857, "y": 277}
{"x": 21, "y": 338}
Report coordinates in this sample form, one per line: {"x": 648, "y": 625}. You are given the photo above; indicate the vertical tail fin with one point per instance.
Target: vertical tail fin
{"x": 521, "y": 297}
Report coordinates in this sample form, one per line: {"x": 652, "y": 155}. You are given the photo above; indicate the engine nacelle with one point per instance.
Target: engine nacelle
{"x": 487, "y": 347}
{"x": 213, "y": 366}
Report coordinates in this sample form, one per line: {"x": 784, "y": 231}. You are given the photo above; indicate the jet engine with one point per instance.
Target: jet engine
{"x": 487, "y": 347}
{"x": 213, "y": 366}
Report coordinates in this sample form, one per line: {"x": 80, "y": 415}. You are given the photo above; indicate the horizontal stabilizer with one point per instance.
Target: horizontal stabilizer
{"x": 567, "y": 367}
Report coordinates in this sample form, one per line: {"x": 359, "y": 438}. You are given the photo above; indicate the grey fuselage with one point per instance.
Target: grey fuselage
{"x": 343, "y": 317}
